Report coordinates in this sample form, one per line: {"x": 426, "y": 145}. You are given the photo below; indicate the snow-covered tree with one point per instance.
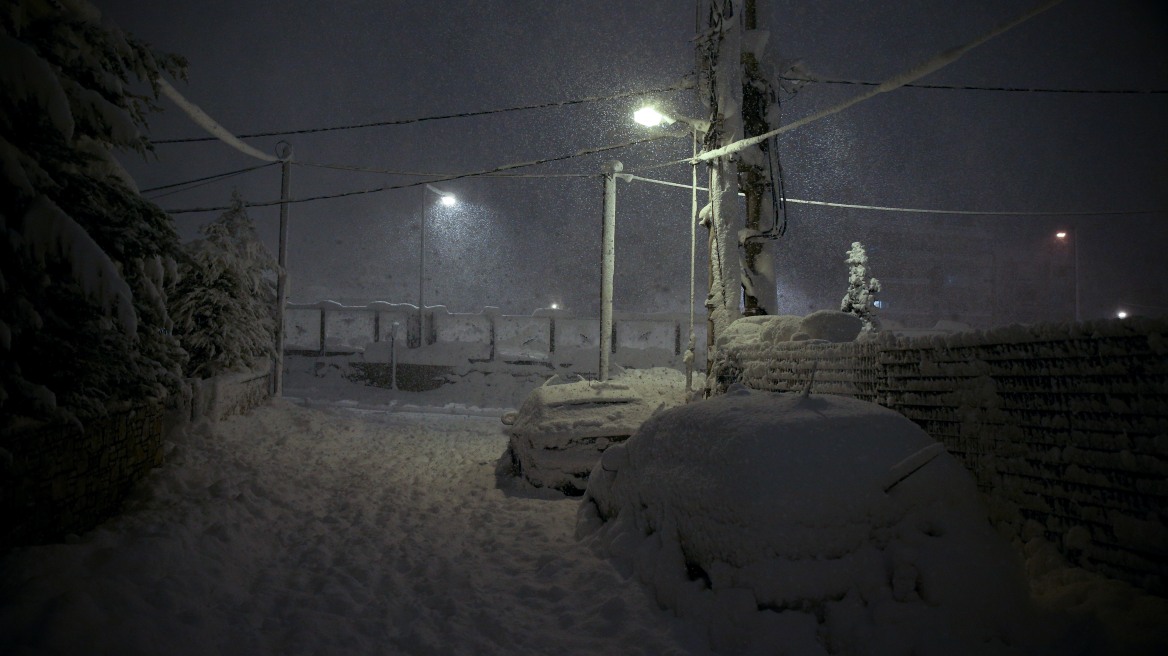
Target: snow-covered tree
{"x": 862, "y": 290}
{"x": 224, "y": 304}
{"x": 83, "y": 259}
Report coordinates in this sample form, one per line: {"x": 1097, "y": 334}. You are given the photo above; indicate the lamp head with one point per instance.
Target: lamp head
{"x": 651, "y": 117}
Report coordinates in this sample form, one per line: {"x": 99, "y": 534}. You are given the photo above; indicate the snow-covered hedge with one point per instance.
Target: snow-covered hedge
{"x": 224, "y": 304}
{"x": 85, "y": 262}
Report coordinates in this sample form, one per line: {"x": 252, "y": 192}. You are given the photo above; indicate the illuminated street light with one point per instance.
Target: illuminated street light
{"x": 1062, "y": 236}
{"x": 1121, "y": 314}
{"x": 448, "y": 200}
{"x": 651, "y": 117}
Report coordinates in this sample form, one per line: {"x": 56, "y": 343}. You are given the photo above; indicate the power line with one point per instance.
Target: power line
{"x": 447, "y": 178}
{"x": 970, "y": 87}
{"x": 630, "y": 177}
{"x": 431, "y": 174}
{"x": 209, "y": 178}
{"x": 684, "y": 84}
{"x": 927, "y": 67}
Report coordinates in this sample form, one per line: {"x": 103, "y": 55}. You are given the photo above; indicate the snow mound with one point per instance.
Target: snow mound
{"x": 765, "y": 518}
{"x": 831, "y": 325}
{"x": 825, "y": 325}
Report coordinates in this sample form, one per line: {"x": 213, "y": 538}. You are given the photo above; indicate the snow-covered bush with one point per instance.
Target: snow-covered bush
{"x": 84, "y": 261}
{"x": 224, "y": 303}
{"x": 861, "y": 295}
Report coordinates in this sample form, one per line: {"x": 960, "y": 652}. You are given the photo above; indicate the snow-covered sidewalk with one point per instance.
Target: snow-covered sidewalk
{"x": 295, "y": 530}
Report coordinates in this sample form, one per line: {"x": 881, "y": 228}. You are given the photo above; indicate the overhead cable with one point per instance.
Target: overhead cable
{"x": 683, "y": 84}
{"x": 209, "y": 178}
{"x": 431, "y": 174}
{"x": 932, "y": 65}
{"x": 971, "y": 87}
{"x": 630, "y": 178}
{"x": 446, "y": 178}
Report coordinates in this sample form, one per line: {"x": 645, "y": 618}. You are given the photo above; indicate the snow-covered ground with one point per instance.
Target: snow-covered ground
{"x": 333, "y": 526}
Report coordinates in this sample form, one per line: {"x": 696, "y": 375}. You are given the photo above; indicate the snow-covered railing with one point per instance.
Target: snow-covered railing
{"x": 1065, "y": 427}
{"x": 550, "y": 337}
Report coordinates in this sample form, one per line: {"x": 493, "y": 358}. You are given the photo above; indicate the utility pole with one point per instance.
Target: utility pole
{"x": 284, "y": 152}
{"x": 608, "y": 265}
{"x": 720, "y": 90}
{"x": 758, "y": 270}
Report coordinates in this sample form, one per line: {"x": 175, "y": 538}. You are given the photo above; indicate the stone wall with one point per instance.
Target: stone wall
{"x": 62, "y": 479}
{"x": 1065, "y": 428}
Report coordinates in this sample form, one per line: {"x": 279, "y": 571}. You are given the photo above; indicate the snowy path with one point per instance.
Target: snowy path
{"x": 302, "y": 531}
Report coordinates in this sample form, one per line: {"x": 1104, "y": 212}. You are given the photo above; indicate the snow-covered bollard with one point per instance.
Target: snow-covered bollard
{"x": 764, "y": 515}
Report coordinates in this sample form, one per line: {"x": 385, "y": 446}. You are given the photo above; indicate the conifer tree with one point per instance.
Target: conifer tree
{"x": 861, "y": 295}
{"x": 84, "y": 259}
{"x": 224, "y": 304}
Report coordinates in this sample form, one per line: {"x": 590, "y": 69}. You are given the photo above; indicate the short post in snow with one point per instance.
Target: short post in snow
{"x": 608, "y": 257}
{"x": 284, "y": 152}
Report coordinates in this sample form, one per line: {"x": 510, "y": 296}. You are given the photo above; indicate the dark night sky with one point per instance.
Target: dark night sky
{"x": 259, "y": 65}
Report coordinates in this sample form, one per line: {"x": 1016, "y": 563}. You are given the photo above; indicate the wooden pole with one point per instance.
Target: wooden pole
{"x": 284, "y": 152}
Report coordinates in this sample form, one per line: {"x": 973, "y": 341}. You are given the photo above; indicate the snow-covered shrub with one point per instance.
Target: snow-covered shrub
{"x": 84, "y": 261}
{"x": 224, "y": 305}
{"x": 791, "y": 524}
{"x": 861, "y": 295}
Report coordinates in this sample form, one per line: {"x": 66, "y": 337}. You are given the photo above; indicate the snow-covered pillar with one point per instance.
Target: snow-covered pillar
{"x": 607, "y": 267}
{"x": 760, "y": 291}
{"x": 720, "y": 88}
{"x": 284, "y": 152}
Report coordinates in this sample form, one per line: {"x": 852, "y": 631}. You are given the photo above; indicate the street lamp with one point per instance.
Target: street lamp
{"x": 1063, "y": 236}
{"x": 652, "y": 117}
{"x": 448, "y": 200}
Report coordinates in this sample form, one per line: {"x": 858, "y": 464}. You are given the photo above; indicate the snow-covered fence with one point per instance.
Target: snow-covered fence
{"x": 1064, "y": 427}
{"x": 548, "y": 337}
{"x": 60, "y": 479}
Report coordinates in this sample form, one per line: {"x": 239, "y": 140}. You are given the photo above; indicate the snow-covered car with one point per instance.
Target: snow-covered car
{"x": 834, "y": 522}
{"x": 561, "y": 429}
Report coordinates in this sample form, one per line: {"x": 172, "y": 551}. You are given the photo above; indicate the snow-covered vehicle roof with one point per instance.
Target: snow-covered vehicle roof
{"x": 562, "y": 427}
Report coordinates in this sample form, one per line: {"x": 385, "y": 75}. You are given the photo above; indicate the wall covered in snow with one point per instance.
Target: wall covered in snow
{"x": 1065, "y": 427}
{"x": 230, "y": 394}
{"x": 60, "y": 478}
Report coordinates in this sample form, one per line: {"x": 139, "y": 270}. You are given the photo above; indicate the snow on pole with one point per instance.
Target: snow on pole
{"x": 608, "y": 258}
{"x": 209, "y": 124}
{"x": 912, "y": 75}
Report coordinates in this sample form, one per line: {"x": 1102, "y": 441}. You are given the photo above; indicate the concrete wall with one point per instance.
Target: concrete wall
{"x": 1065, "y": 428}
{"x": 230, "y": 394}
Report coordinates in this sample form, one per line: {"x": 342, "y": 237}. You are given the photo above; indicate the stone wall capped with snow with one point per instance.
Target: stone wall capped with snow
{"x": 1065, "y": 427}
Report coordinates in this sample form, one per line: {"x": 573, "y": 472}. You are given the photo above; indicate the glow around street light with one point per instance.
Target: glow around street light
{"x": 449, "y": 200}
{"x": 650, "y": 117}
{"x": 1061, "y": 235}
{"x": 1121, "y": 315}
